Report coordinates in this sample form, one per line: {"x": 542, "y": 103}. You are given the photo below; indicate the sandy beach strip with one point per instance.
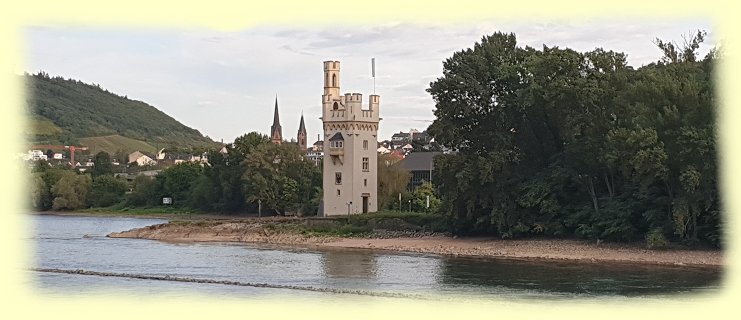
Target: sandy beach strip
{"x": 531, "y": 249}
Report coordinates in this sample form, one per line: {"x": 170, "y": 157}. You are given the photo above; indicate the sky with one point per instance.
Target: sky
{"x": 224, "y": 84}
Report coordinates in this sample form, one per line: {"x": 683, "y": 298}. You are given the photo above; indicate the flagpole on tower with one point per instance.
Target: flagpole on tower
{"x": 373, "y": 73}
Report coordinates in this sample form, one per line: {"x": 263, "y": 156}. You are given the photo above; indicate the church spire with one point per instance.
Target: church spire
{"x": 301, "y": 126}
{"x": 301, "y": 138}
{"x": 276, "y": 132}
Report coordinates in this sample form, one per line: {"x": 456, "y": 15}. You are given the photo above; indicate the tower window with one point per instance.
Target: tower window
{"x": 365, "y": 182}
{"x": 335, "y": 106}
{"x": 338, "y": 178}
{"x": 365, "y": 164}
{"x": 334, "y": 80}
{"x": 365, "y": 144}
{"x": 338, "y": 192}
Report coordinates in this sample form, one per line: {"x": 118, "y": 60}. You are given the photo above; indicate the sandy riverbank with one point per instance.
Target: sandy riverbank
{"x": 264, "y": 231}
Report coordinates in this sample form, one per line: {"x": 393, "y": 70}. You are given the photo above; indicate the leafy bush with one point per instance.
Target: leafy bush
{"x": 655, "y": 239}
{"x": 107, "y": 191}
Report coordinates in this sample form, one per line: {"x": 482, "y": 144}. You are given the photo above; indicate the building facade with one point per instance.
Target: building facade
{"x": 350, "y": 178}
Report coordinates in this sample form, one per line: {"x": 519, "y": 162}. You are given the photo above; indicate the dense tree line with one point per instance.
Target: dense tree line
{"x": 252, "y": 173}
{"x": 55, "y": 188}
{"x": 563, "y": 143}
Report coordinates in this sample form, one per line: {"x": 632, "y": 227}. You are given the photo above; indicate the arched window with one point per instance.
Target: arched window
{"x": 335, "y": 106}
{"x": 326, "y": 80}
{"x": 334, "y": 80}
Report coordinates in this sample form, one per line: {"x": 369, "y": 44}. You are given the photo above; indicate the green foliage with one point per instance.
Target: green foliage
{"x": 107, "y": 191}
{"x": 392, "y": 180}
{"x": 413, "y": 220}
{"x": 113, "y": 144}
{"x": 40, "y": 193}
{"x": 655, "y": 239}
{"x": 419, "y": 198}
{"x": 71, "y": 191}
{"x": 103, "y": 165}
{"x": 364, "y": 224}
{"x": 558, "y": 142}
{"x": 146, "y": 191}
{"x": 178, "y": 180}
{"x": 245, "y": 144}
{"x": 222, "y": 186}
{"x": 84, "y": 110}
{"x": 345, "y": 230}
{"x": 282, "y": 179}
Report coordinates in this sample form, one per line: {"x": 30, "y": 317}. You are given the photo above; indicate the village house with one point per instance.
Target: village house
{"x": 141, "y": 159}
{"x": 420, "y": 165}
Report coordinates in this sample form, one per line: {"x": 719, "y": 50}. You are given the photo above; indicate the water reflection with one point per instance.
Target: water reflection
{"x": 349, "y": 264}
{"x": 492, "y": 275}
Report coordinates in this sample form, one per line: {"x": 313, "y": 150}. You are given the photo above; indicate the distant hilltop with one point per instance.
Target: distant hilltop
{"x": 70, "y": 112}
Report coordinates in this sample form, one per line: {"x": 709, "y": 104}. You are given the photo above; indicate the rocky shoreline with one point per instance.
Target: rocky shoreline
{"x": 277, "y": 232}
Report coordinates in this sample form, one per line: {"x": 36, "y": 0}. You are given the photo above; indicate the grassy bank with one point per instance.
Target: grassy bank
{"x": 362, "y": 225}
{"x": 140, "y": 211}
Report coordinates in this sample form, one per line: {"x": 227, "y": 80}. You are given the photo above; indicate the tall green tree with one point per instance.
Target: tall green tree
{"x": 107, "y": 191}
{"x": 146, "y": 191}
{"x": 420, "y": 198}
{"x": 102, "y": 164}
{"x": 71, "y": 191}
{"x": 178, "y": 181}
{"x": 222, "y": 187}
{"x": 392, "y": 180}
{"x": 282, "y": 178}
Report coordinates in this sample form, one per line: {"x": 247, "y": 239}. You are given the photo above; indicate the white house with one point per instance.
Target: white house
{"x": 141, "y": 159}
{"x": 161, "y": 154}
{"x": 36, "y": 155}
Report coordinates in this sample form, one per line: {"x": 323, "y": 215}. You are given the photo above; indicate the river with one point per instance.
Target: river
{"x": 80, "y": 243}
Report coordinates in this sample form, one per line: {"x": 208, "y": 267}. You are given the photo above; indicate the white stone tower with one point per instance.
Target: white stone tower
{"x": 350, "y": 142}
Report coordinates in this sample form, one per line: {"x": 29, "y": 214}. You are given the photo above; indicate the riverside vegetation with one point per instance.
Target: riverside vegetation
{"x": 550, "y": 143}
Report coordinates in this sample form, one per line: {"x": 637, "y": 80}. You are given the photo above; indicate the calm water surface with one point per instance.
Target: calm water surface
{"x": 65, "y": 242}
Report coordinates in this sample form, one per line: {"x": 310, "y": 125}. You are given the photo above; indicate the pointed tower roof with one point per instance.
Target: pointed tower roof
{"x": 276, "y": 132}
{"x": 301, "y": 126}
{"x": 276, "y": 118}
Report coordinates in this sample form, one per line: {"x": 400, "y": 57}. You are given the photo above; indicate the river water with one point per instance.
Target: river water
{"x": 72, "y": 243}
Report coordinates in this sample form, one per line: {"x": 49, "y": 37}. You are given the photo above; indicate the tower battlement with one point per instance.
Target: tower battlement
{"x": 331, "y": 65}
{"x": 346, "y": 107}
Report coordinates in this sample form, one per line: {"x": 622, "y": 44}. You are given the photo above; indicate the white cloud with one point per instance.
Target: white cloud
{"x": 224, "y": 84}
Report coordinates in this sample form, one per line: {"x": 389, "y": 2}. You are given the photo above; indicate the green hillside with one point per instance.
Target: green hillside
{"x": 43, "y": 127}
{"x": 115, "y": 143}
{"x": 64, "y": 111}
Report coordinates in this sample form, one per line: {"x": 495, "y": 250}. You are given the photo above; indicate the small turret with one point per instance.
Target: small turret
{"x": 332, "y": 78}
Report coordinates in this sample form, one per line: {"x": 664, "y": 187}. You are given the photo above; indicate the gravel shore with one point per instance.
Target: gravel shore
{"x": 257, "y": 231}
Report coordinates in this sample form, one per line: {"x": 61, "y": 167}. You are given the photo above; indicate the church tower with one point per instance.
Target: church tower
{"x": 350, "y": 177}
{"x": 301, "y": 137}
{"x": 276, "y": 132}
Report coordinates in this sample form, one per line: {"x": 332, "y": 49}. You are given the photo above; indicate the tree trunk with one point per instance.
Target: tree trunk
{"x": 593, "y": 194}
{"x": 693, "y": 212}
{"x": 671, "y": 199}
{"x": 609, "y": 185}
